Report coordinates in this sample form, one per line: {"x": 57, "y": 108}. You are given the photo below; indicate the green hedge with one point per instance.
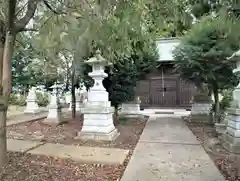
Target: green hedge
{"x": 42, "y": 99}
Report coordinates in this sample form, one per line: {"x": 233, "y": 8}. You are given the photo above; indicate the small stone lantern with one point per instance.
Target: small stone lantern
{"x": 98, "y": 119}
{"x": 54, "y": 108}
{"x": 32, "y": 106}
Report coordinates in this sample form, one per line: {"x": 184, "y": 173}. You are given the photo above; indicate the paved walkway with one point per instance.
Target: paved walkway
{"x": 27, "y": 117}
{"x": 21, "y": 118}
{"x": 168, "y": 151}
{"x": 78, "y": 153}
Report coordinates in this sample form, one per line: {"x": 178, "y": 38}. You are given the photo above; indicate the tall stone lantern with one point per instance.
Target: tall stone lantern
{"x": 231, "y": 139}
{"x": 98, "y": 119}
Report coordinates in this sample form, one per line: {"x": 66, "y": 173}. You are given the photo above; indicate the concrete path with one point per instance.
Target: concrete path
{"x": 21, "y": 118}
{"x": 78, "y": 153}
{"x": 27, "y": 117}
{"x": 168, "y": 151}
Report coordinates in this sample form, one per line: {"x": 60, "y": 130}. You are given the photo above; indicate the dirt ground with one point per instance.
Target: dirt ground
{"x": 225, "y": 161}
{"x": 41, "y": 168}
{"x": 66, "y": 133}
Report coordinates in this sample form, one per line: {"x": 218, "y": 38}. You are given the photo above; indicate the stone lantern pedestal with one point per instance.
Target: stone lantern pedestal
{"x": 32, "y": 106}
{"x": 131, "y": 109}
{"x": 231, "y": 138}
{"x": 54, "y": 108}
{"x": 201, "y": 106}
{"x": 98, "y": 113}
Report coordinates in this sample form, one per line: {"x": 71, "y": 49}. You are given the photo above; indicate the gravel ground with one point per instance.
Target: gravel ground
{"x": 26, "y": 167}
{"x": 226, "y": 162}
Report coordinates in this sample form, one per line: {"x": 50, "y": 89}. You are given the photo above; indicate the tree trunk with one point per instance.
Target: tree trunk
{"x": 115, "y": 116}
{"x": 217, "y": 106}
{"x": 3, "y": 143}
{"x": 73, "y": 93}
{"x": 1, "y": 60}
{"x": 5, "y": 92}
{"x": 3, "y": 140}
{"x": 68, "y": 76}
{"x": 7, "y": 64}
{"x": 12, "y": 26}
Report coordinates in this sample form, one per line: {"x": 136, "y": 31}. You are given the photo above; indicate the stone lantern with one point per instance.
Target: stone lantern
{"x": 54, "y": 108}
{"x": 231, "y": 138}
{"x": 98, "y": 113}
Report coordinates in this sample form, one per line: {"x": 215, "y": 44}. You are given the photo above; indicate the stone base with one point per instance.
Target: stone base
{"x": 98, "y": 136}
{"x": 126, "y": 115}
{"x": 200, "y": 118}
{"x": 130, "y": 108}
{"x": 231, "y": 140}
{"x": 201, "y": 108}
{"x": 202, "y": 97}
{"x": 98, "y": 122}
{"x": 231, "y": 144}
{"x": 32, "y": 108}
{"x": 54, "y": 116}
{"x": 220, "y": 128}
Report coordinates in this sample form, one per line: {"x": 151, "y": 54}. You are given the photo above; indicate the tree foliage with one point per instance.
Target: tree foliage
{"x": 122, "y": 80}
{"x": 202, "y": 55}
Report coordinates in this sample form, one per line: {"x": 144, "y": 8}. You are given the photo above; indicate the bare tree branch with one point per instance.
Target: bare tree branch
{"x": 45, "y": 22}
{"x": 29, "y": 29}
{"x": 51, "y": 9}
{"x": 21, "y": 8}
{"x": 31, "y": 9}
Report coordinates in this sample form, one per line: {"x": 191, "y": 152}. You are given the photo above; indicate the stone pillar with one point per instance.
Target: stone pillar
{"x": 98, "y": 113}
{"x": 222, "y": 126}
{"x": 68, "y": 97}
{"x": 201, "y": 107}
{"x": 62, "y": 99}
{"x": 54, "y": 108}
{"x": 131, "y": 109}
{"x": 83, "y": 98}
{"x": 78, "y": 100}
{"x": 231, "y": 138}
{"x": 32, "y": 106}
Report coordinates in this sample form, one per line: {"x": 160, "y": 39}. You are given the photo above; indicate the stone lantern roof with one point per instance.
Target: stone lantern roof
{"x": 234, "y": 55}
{"x": 97, "y": 59}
